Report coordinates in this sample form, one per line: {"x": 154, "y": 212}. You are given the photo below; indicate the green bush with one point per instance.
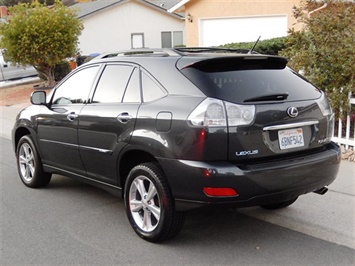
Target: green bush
{"x": 61, "y": 70}
{"x": 271, "y": 46}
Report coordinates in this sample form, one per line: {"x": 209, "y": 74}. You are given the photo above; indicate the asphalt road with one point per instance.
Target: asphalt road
{"x": 71, "y": 223}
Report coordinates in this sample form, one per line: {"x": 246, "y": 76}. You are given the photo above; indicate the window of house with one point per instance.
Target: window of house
{"x": 112, "y": 84}
{"x": 171, "y": 39}
{"x": 166, "y": 39}
{"x": 177, "y": 38}
{"x": 137, "y": 40}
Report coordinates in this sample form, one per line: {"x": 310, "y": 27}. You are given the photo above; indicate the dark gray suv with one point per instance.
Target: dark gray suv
{"x": 173, "y": 130}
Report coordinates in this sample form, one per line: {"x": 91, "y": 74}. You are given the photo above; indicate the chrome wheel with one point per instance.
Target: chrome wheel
{"x": 150, "y": 205}
{"x": 144, "y": 203}
{"x": 26, "y": 162}
{"x": 29, "y": 164}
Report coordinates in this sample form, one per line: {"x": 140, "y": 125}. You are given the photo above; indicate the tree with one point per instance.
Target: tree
{"x": 41, "y": 36}
{"x": 15, "y": 2}
{"x": 324, "y": 49}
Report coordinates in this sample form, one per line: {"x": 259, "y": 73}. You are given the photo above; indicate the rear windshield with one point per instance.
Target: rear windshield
{"x": 243, "y": 81}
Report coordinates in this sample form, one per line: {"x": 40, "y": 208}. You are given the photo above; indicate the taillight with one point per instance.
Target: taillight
{"x": 324, "y": 105}
{"x": 331, "y": 121}
{"x": 209, "y": 113}
{"x": 216, "y": 113}
{"x": 239, "y": 115}
{"x": 327, "y": 111}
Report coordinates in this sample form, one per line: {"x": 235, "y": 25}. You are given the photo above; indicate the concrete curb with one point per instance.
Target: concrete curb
{"x": 14, "y": 83}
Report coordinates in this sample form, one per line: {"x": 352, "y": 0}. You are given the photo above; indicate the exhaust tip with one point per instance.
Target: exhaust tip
{"x": 321, "y": 191}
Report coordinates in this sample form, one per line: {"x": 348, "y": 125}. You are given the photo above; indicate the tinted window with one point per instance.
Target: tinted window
{"x": 112, "y": 84}
{"x": 133, "y": 91}
{"x": 76, "y": 88}
{"x": 151, "y": 90}
{"x": 242, "y": 80}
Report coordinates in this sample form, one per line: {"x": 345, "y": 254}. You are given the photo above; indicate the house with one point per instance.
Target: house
{"x": 111, "y": 25}
{"x": 217, "y": 22}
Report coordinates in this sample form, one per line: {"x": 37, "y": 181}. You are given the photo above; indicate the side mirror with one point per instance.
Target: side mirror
{"x": 38, "y": 98}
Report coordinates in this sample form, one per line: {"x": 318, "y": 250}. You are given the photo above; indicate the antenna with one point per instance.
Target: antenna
{"x": 252, "y": 49}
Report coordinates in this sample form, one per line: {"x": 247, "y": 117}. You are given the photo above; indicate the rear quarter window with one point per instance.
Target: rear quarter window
{"x": 151, "y": 89}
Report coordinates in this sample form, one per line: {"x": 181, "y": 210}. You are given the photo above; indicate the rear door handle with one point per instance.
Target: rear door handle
{"x": 124, "y": 118}
{"x": 72, "y": 116}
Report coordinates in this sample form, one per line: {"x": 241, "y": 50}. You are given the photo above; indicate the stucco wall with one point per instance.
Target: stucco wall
{"x": 202, "y": 9}
{"x": 111, "y": 29}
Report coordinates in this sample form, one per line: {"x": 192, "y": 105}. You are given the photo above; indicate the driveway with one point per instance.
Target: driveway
{"x": 330, "y": 217}
{"x": 17, "y": 92}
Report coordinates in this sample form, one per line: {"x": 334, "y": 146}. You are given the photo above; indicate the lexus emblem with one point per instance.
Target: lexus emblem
{"x": 292, "y": 111}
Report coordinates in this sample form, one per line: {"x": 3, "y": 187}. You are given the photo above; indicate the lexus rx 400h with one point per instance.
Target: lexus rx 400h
{"x": 178, "y": 129}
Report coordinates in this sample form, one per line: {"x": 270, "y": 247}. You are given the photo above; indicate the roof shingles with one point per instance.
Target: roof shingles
{"x": 87, "y": 8}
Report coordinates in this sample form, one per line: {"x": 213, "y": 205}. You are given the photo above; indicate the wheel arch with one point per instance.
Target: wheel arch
{"x": 19, "y": 133}
{"x": 129, "y": 160}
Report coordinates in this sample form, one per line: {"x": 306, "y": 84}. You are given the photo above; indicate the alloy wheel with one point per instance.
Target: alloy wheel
{"x": 144, "y": 203}
{"x": 26, "y": 162}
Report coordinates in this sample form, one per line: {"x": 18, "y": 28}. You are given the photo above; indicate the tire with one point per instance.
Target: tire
{"x": 29, "y": 164}
{"x": 279, "y": 205}
{"x": 149, "y": 204}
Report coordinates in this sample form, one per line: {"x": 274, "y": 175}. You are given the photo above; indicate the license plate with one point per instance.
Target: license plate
{"x": 291, "y": 138}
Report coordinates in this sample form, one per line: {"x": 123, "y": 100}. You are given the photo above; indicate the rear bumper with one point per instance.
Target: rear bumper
{"x": 256, "y": 184}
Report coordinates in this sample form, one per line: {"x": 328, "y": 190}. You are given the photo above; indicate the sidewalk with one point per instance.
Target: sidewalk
{"x": 14, "y": 96}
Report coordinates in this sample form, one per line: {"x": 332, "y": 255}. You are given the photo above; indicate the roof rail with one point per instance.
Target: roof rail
{"x": 138, "y": 52}
{"x": 165, "y": 52}
{"x": 149, "y": 52}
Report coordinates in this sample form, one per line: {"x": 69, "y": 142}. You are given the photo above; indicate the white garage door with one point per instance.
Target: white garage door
{"x": 214, "y": 32}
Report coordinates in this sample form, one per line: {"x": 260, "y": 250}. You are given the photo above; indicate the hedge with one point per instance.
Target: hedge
{"x": 271, "y": 46}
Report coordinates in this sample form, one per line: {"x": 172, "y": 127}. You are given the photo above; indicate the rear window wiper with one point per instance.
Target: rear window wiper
{"x": 271, "y": 97}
